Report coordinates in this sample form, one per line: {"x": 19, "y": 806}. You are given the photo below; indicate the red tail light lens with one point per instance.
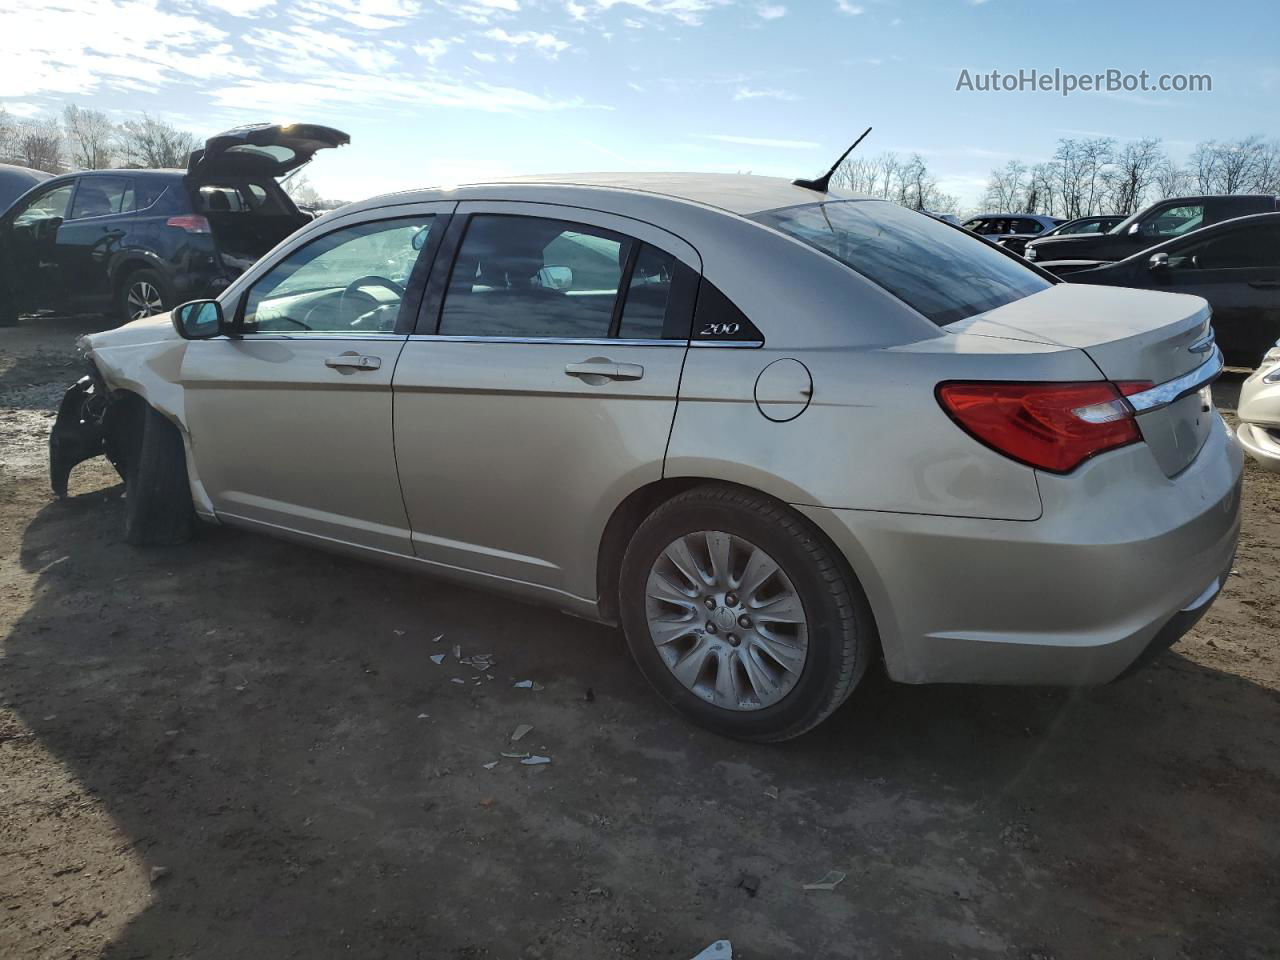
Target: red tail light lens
{"x": 192, "y": 223}
{"x": 1050, "y": 426}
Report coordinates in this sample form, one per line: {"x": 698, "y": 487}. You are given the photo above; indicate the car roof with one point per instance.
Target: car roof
{"x": 742, "y": 194}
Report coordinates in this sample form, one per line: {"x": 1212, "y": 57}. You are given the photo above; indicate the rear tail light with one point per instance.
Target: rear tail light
{"x": 191, "y": 223}
{"x": 1050, "y": 426}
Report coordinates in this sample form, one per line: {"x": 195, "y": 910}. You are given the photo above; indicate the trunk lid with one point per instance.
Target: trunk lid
{"x": 1130, "y": 335}
{"x": 262, "y": 149}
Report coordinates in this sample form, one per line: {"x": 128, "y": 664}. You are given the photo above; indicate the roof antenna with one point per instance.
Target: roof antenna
{"x": 821, "y": 183}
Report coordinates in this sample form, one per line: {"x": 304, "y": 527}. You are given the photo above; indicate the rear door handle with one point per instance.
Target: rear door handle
{"x": 1265, "y": 284}
{"x": 353, "y": 361}
{"x": 604, "y": 368}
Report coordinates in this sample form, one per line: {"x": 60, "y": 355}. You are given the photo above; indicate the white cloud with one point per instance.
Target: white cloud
{"x": 241, "y": 8}
{"x": 769, "y": 11}
{"x": 364, "y": 14}
{"x": 576, "y": 10}
{"x": 747, "y": 93}
{"x": 546, "y": 43}
{"x": 853, "y": 10}
{"x": 762, "y": 141}
{"x": 435, "y": 48}
{"x": 688, "y": 12}
{"x": 481, "y": 11}
{"x": 484, "y": 57}
{"x": 84, "y": 46}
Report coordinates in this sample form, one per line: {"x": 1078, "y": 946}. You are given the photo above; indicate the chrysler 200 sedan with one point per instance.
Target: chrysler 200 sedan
{"x": 773, "y": 432}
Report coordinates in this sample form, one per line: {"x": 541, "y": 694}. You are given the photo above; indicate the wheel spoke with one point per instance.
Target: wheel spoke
{"x": 760, "y": 567}
{"x": 789, "y": 655}
{"x": 718, "y": 549}
{"x": 784, "y": 608}
{"x": 761, "y": 682}
{"x": 688, "y": 667}
{"x": 727, "y": 679}
{"x": 664, "y": 631}
{"x": 680, "y": 555}
{"x": 660, "y": 588}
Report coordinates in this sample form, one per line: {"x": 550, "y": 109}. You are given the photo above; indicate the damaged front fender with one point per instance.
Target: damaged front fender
{"x": 82, "y": 430}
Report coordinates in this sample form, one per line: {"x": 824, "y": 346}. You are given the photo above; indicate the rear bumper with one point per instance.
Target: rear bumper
{"x": 1260, "y": 445}
{"x": 1123, "y": 561}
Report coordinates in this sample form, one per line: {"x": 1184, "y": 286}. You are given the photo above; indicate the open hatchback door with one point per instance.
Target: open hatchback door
{"x": 262, "y": 149}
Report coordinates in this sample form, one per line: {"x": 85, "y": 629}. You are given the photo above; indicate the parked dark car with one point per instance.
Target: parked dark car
{"x": 15, "y": 181}
{"x": 996, "y": 227}
{"x": 1234, "y": 265}
{"x": 1157, "y": 223}
{"x": 130, "y": 243}
{"x": 1098, "y": 224}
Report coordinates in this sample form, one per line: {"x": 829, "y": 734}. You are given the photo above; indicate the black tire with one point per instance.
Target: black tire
{"x": 133, "y": 282}
{"x": 842, "y": 632}
{"x": 158, "y": 509}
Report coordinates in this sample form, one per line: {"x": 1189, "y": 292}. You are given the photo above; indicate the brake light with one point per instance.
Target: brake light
{"x": 191, "y": 223}
{"x": 1050, "y": 426}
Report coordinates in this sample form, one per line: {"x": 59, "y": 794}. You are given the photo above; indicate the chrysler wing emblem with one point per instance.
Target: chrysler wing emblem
{"x": 1204, "y": 344}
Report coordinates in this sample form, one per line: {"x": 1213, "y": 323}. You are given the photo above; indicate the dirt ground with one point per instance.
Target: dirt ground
{"x": 241, "y": 748}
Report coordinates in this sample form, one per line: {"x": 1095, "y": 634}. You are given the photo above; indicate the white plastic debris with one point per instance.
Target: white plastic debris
{"x": 437, "y": 658}
{"x": 398, "y": 633}
{"x": 520, "y": 731}
{"x": 437, "y": 639}
{"x": 720, "y": 950}
{"x": 515, "y": 756}
{"x": 535, "y": 760}
{"x": 456, "y": 680}
{"x": 490, "y": 765}
{"x": 424, "y": 716}
{"x": 771, "y": 793}
{"x": 830, "y": 880}
{"x": 527, "y": 685}
{"x": 457, "y": 651}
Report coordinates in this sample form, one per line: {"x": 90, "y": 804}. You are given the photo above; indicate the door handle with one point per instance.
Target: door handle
{"x": 353, "y": 361}
{"x": 1265, "y": 284}
{"x": 597, "y": 369}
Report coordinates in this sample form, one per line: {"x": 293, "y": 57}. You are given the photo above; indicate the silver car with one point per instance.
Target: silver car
{"x": 776, "y": 434}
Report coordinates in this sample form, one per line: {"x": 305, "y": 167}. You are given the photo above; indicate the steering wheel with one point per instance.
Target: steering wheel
{"x": 371, "y": 280}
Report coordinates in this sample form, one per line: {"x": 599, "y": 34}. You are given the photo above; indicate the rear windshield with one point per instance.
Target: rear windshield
{"x": 942, "y": 272}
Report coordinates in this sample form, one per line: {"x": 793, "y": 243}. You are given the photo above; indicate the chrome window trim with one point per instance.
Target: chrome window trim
{"x": 586, "y": 341}
{"x": 747, "y": 344}
{"x": 1171, "y": 391}
{"x": 318, "y": 335}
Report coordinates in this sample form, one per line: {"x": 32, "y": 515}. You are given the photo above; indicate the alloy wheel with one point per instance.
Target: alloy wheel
{"x": 727, "y": 620}
{"x": 144, "y": 300}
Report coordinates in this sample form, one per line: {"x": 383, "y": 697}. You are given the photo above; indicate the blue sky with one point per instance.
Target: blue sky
{"x": 436, "y": 92}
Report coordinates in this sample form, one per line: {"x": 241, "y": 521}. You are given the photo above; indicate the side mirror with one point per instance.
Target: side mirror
{"x": 198, "y": 319}
{"x": 554, "y": 278}
{"x": 1158, "y": 262}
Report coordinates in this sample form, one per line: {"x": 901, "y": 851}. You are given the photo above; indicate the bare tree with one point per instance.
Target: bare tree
{"x": 153, "y": 143}
{"x": 1171, "y": 180}
{"x": 8, "y": 136}
{"x": 38, "y": 144}
{"x": 1042, "y": 195}
{"x": 1080, "y": 167}
{"x": 91, "y": 137}
{"x": 1247, "y": 165}
{"x": 1006, "y": 188}
{"x": 1132, "y": 173}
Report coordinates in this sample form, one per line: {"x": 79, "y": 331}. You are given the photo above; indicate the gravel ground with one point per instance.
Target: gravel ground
{"x": 242, "y": 748}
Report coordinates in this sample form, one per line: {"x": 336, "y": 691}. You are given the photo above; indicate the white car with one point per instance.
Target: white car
{"x": 1259, "y": 412}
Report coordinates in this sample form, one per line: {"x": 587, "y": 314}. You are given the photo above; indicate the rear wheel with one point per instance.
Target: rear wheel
{"x": 158, "y": 507}
{"x": 742, "y": 616}
{"x": 142, "y": 294}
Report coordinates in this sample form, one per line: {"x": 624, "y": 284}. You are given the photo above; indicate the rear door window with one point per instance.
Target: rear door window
{"x": 529, "y": 277}
{"x": 942, "y": 273}
{"x": 1250, "y": 248}
{"x": 101, "y": 196}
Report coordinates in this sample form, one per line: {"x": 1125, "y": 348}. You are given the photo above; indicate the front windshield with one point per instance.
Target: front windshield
{"x": 944, "y": 273}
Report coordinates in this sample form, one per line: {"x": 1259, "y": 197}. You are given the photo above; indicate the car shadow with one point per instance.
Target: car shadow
{"x": 267, "y": 724}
